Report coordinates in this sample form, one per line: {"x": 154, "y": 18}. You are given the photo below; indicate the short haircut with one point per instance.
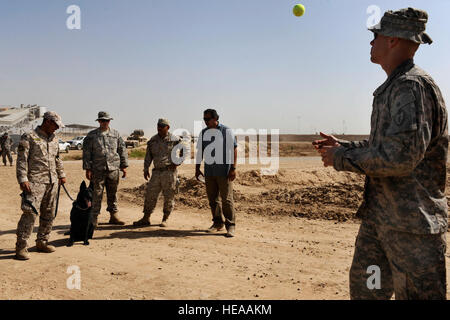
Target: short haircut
{"x": 48, "y": 120}
{"x": 212, "y": 112}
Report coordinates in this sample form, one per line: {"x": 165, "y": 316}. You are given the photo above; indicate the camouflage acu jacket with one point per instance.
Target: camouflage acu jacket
{"x": 159, "y": 151}
{"x": 405, "y": 158}
{"x": 38, "y": 158}
{"x": 104, "y": 151}
{"x": 5, "y": 143}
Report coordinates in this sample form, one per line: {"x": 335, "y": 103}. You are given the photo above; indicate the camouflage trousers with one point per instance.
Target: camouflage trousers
{"x": 6, "y": 153}
{"x": 101, "y": 180}
{"x": 164, "y": 181}
{"x": 410, "y": 265}
{"x": 43, "y": 198}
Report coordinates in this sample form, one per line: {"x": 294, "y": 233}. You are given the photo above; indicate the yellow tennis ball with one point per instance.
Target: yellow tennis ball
{"x": 299, "y": 10}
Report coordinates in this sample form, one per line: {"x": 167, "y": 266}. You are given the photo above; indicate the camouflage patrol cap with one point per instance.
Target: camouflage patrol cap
{"x": 408, "y": 23}
{"x": 52, "y": 115}
{"x": 102, "y": 115}
{"x": 163, "y": 122}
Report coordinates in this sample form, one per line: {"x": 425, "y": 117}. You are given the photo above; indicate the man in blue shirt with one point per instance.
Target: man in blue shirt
{"x": 217, "y": 146}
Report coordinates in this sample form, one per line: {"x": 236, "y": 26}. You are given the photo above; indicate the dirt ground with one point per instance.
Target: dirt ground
{"x": 295, "y": 235}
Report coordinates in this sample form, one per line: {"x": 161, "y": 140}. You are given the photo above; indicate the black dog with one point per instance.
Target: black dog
{"x": 81, "y": 227}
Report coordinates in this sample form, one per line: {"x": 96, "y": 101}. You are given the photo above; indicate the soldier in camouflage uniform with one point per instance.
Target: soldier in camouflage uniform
{"x": 404, "y": 212}
{"x": 104, "y": 154}
{"x": 164, "y": 173}
{"x": 39, "y": 170}
{"x": 5, "y": 146}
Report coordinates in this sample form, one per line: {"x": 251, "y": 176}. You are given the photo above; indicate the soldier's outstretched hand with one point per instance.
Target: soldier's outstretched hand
{"x": 328, "y": 140}
{"x": 327, "y": 154}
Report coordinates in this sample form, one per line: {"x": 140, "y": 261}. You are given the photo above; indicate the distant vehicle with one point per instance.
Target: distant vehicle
{"x": 77, "y": 142}
{"x": 136, "y": 139}
{"x": 64, "y": 146}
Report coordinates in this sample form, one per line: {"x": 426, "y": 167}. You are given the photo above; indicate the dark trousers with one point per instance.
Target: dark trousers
{"x": 216, "y": 186}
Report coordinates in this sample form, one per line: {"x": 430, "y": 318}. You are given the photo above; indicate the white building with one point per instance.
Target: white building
{"x": 20, "y": 119}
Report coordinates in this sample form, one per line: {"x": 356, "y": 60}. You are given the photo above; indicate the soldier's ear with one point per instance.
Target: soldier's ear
{"x": 83, "y": 186}
{"x": 393, "y": 42}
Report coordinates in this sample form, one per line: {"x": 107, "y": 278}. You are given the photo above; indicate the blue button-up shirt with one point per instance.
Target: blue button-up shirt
{"x": 218, "y": 155}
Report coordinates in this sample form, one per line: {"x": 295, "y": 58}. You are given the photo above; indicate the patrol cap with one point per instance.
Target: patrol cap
{"x": 408, "y": 23}
{"x": 102, "y": 115}
{"x": 163, "y": 122}
{"x": 52, "y": 115}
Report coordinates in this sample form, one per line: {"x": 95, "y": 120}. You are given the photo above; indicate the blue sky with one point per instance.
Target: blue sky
{"x": 254, "y": 61}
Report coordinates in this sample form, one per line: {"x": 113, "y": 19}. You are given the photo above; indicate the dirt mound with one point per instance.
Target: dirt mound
{"x": 192, "y": 193}
{"x": 330, "y": 201}
{"x": 254, "y": 177}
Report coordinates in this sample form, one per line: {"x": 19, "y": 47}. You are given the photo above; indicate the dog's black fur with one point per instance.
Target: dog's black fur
{"x": 81, "y": 227}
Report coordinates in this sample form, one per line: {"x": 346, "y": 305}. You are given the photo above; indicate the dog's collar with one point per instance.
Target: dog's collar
{"x": 78, "y": 207}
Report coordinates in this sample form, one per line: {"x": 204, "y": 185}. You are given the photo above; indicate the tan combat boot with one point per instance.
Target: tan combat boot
{"x": 144, "y": 222}
{"x": 42, "y": 246}
{"x": 164, "y": 222}
{"x": 115, "y": 219}
{"x": 22, "y": 253}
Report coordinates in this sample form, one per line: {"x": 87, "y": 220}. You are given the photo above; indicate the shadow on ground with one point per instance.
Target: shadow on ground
{"x": 167, "y": 233}
{"x": 35, "y": 229}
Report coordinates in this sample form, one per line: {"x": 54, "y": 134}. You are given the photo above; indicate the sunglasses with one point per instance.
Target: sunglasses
{"x": 162, "y": 125}
{"x": 103, "y": 120}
